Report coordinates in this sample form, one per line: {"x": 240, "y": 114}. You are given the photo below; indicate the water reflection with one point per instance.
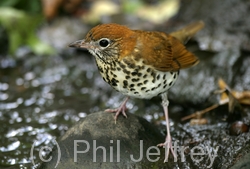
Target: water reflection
{"x": 10, "y": 147}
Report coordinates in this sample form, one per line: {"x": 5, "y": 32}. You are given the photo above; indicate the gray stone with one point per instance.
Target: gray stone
{"x": 243, "y": 163}
{"x": 121, "y": 141}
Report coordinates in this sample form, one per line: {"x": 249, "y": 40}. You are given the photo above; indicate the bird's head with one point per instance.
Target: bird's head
{"x": 108, "y": 42}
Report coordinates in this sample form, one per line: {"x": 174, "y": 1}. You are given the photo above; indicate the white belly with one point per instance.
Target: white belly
{"x": 137, "y": 81}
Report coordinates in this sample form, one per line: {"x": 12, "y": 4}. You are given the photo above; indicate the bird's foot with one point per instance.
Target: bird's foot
{"x": 168, "y": 146}
{"x": 121, "y": 109}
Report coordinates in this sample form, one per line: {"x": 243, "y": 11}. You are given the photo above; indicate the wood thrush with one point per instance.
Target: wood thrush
{"x": 141, "y": 64}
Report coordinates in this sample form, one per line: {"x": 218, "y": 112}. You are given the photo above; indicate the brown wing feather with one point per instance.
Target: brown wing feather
{"x": 182, "y": 58}
{"x": 166, "y": 52}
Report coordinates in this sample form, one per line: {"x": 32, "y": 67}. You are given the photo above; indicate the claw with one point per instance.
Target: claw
{"x": 121, "y": 109}
{"x": 168, "y": 146}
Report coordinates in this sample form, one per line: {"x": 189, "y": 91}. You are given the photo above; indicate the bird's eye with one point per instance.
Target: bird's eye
{"x": 104, "y": 42}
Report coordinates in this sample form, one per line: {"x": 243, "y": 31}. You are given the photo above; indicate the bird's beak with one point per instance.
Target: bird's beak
{"x": 80, "y": 44}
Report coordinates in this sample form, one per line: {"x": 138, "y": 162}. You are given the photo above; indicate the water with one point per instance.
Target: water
{"x": 40, "y": 98}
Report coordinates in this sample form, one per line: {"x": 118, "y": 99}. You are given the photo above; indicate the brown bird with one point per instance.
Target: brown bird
{"x": 141, "y": 64}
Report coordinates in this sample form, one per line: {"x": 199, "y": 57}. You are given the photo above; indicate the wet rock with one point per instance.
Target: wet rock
{"x": 244, "y": 163}
{"x": 98, "y": 131}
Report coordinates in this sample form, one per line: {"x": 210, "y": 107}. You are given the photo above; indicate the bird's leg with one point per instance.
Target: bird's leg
{"x": 121, "y": 109}
{"x": 168, "y": 142}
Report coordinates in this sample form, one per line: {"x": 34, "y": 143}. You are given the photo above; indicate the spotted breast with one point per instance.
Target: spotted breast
{"x": 134, "y": 78}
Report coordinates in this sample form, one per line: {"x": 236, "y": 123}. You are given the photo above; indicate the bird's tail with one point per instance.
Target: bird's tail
{"x": 187, "y": 32}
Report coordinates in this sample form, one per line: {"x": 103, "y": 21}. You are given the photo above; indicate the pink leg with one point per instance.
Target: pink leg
{"x": 121, "y": 109}
{"x": 168, "y": 142}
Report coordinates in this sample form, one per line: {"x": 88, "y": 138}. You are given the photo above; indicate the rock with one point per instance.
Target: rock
{"x": 243, "y": 163}
{"x": 98, "y": 131}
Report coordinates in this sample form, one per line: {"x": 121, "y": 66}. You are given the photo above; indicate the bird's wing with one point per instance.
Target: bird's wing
{"x": 164, "y": 52}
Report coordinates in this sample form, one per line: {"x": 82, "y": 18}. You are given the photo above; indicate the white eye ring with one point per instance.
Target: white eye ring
{"x": 104, "y": 42}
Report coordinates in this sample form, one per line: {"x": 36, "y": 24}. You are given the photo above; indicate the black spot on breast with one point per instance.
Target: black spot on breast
{"x": 114, "y": 82}
{"x": 171, "y": 73}
{"x": 143, "y": 88}
{"x": 158, "y": 77}
{"x": 165, "y": 86}
{"x": 164, "y": 76}
{"x": 134, "y": 73}
{"x": 148, "y": 70}
{"x": 135, "y": 79}
{"x": 119, "y": 69}
{"x": 104, "y": 79}
{"x": 127, "y": 77}
{"x": 139, "y": 84}
{"x": 125, "y": 83}
{"x": 174, "y": 75}
{"x": 147, "y": 91}
{"x": 126, "y": 71}
{"x": 136, "y": 92}
{"x": 107, "y": 78}
{"x": 145, "y": 81}
{"x": 170, "y": 84}
{"x": 156, "y": 87}
{"x": 113, "y": 68}
{"x": 153, "y": 75}
{"x": 139, "y": 74}
{"x": 145, "y": 76}
{"x": 132, "y": 85}
{"x": 131, "y": 66}
{"x": 165, "y": 82}
{"x": 132, "y": 89}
